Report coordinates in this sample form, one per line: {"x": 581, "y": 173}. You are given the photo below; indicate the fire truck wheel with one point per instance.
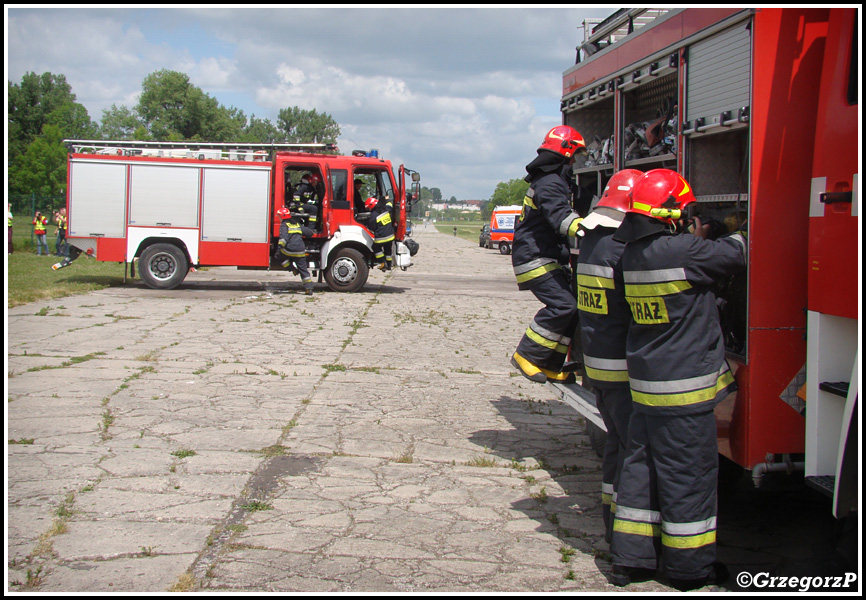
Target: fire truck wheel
{"x": 347, "y": 272}
{"x": 163, "y": 266}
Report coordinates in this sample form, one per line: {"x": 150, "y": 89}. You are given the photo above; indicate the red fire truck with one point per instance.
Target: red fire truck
{"x": 172, "y": 206}
{"x": 758, "y": 110}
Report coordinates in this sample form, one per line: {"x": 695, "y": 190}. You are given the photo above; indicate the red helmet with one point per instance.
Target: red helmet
{"x": 661, "y": 194}
{"x": 371, "y": 202}
{"x": 283, "y": 212}
{"x": 616, "y": 194}
{"x": 563, "y": 140}
{"x": 614, "y": 201}
{"x": 311, "y": 178}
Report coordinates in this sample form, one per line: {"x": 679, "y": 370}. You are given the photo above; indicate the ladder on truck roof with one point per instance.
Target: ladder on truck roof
{"x": 199, "y": 150}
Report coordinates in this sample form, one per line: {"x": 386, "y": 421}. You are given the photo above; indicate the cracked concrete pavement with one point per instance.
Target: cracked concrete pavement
{"x": 234, "y": 435}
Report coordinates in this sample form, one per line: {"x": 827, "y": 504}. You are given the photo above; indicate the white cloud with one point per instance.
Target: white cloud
{"x": 453, "y": 92}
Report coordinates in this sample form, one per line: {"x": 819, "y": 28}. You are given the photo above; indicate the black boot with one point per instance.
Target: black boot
{"x": 621, "y": 576}
{"x": 718, "y": 575}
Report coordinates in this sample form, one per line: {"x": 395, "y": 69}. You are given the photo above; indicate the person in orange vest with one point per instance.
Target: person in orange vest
{"x": 39, "y": 228}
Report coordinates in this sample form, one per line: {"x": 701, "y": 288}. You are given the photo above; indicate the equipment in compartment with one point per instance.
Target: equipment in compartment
{"x": 653, "y": 138}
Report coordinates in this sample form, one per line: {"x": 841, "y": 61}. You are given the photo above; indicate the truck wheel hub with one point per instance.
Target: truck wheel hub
{"x": 162, "y": 266}
{"x": 345, "y": 270}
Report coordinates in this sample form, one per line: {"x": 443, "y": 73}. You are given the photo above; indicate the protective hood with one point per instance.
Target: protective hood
{"x": 545, "y": 163}
{"x": 635, "y": 227}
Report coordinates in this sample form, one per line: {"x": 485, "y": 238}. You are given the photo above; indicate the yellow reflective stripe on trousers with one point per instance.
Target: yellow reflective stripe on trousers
{"x": 609, "y": 376}
{"x": 689, "y": 535}
{"x": 679, "y": 398}
{"x": 556, "y": 346}
{"x": 538, "y": 272}
{"x": 633, "y": 528}
{"x": 689, "y": 541}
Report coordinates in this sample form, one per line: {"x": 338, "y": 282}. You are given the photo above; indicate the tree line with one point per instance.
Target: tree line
{"x": 43, "y": 111}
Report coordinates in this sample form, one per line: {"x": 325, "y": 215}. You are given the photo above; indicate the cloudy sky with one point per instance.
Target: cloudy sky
{"x": 463, "y": 95}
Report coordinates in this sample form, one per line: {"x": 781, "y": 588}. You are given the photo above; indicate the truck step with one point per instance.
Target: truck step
{"x": 826, "y": 484}
{"x": 580, "y": 399}
{"x": 840, "y": 388}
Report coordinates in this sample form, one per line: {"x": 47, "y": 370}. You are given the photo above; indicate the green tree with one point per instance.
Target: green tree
{"x": 42, "y": 167}
{"x": 42, "y": 111}
{"x": 30, "y": 105}
{"x": 119, "y": 123}
{"x": 173, "y": 109}
{"x": 262, "y": 131}
{"x": 307, "y": 126}
{"x": 506, "y": 193}
{"x": 73, "y": 121}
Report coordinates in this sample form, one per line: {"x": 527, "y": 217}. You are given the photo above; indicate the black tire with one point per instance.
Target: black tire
{"x": 347, "y": 271}
{"x": 163, "y": 266}
{"x": 597, "y": 437}
{"x": 504, "y": 248}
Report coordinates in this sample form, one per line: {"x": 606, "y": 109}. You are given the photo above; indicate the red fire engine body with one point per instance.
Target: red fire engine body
{"x": 758, "y": 110}
{"x": 172, "y": 206}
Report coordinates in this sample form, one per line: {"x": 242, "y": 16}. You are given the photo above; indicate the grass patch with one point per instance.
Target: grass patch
{"x": 183, "y": 453}
{"x": 256, "y": 505}
{"x": 30, "y": 278}
{"x": 275, "y": 450}
{"x": 22, "y": 441}
{"x": 482, "y": 461}
{"x": 566, "y": 553}
{"x": 467, "y": 230}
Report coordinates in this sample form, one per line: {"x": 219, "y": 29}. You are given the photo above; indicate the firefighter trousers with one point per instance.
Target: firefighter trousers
{"x": 382, "y": 254}
{"x": 298, "y": 262}
{"x": 667, "y": 497}
{"x": 614, "y": 404}
{"x": 545, "y": 343}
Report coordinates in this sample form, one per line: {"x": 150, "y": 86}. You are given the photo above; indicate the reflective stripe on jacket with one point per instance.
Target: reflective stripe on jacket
{"x": 540, "y": 234}
{"x": 675, "y": 348}
{"x": 604, "y": 312}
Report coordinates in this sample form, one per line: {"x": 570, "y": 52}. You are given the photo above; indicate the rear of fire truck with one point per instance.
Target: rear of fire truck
{"x": 728, "y": 98}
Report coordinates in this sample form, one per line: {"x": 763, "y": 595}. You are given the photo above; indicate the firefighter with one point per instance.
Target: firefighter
{"x": 540, "y": 251}
{"x": 307, "y": 194}
{"x": 292, "y": 249}
{"x": 675, "y": 353}
{"x": 383, "y": 232}
{"x": 604, "y": 321}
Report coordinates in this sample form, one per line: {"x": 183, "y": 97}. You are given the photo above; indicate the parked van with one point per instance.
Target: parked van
{"x": 502, "y": 223}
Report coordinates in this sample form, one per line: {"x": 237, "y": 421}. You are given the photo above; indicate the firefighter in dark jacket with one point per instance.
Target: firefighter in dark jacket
{"x": 292, "y": 249}
{"x": 675, "y": 353}
{"x": 604, "y": 320}
{"x": 382, "y": 226}
{"x": 307, "y": 195}
{"x": 541, "y": 250}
